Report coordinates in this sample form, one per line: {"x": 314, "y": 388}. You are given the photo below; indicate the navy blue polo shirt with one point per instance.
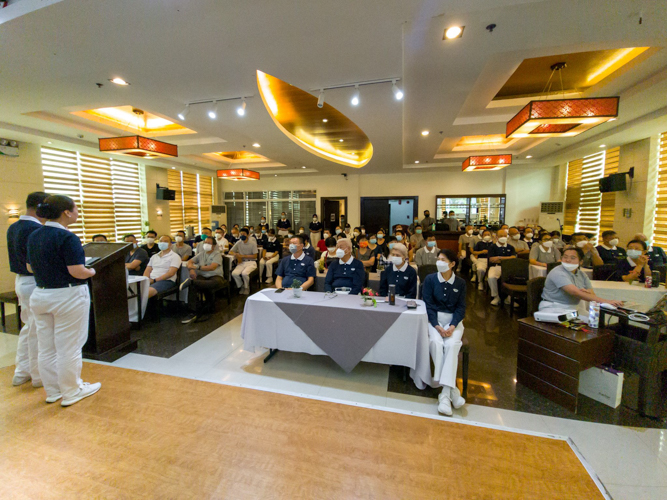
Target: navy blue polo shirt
{"x": 284, "y": 224}
{"x": 498, "y": 251}
{"x": 350, "y": 275}
{"x": 290, "y": 269}
{"x": 657, "y": 257}
{"x": 483, "y": 245}
{"x": 17, "y": 243}
{"x": 272, "y": 246}
{"x": 50, "y": 250}
{"x": 310, "y": 251}
{"x": 261, "y": 239}
{"x": 624, "y": 267}
{"x": 405, "y": 281}
{"x": 611, "y": 255}
{"x": 444, "y": 296}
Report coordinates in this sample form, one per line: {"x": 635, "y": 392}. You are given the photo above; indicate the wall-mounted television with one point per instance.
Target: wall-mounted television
{"x": 165, "y": 194}
{"x": 614, "y": 182}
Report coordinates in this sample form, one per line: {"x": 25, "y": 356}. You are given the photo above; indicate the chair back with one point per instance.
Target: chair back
{"x": 534, "y": 293}
{"x": 514, "y": 271}
{"x": 663, "y": 272}
{"x": 551, "y": 265}
{"x": 425, "y": 270}
{"x": 603, "y": 272}
{"x": 226, "y": 265}
{"x": 523, "y": 256}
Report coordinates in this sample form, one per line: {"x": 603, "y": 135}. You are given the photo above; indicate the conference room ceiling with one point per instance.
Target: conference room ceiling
{"x": 173, "y": 52}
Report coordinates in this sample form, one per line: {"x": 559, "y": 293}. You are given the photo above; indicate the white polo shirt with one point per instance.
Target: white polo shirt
{"x": 160, "y": 264}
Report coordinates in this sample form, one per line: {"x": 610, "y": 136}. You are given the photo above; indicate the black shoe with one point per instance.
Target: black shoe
{"x": 189, "y": 319}
{"x": 201, "y": 319}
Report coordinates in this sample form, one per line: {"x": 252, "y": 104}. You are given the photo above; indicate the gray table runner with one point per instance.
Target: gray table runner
{"x": 340, "y": 326}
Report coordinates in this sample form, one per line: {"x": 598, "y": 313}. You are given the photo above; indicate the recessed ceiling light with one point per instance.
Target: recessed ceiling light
{"x": 255, "y": 145}
{"x": 529, "y": 156}
{"x": 602, "y": 145}
{"x": 118, "y": 81}
{"x": 340, "y": 140}
{"x": 417, "y": 161}
{"x": 173, "y": 168}
{"x": 303, "y": 166}
{"x": 276, "y": 175}
{"x": 325, "y": 120}
{"x": 454, "y": 32}
{"x": 424, "y": 132}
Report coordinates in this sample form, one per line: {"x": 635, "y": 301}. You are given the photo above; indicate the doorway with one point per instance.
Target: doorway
{"x": 386, "y": 211}
{"x": 333, "y": 212}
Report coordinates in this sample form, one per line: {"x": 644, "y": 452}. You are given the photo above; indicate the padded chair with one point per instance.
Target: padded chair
{"x": 514, "y": 277}
{"x": 534, "y": 294}
{"x": 227, "y": 274}
{"x": 523, "y": 256}
{"x": 10, "y": 298}
{"x": 663, "y": 272}
{"x": 604, "y": 272}
{"x": 551, "y": 265}
{"x": 254, "y": 275}
{"x": 172, "y": 291}
{"x": 422, "y": 272}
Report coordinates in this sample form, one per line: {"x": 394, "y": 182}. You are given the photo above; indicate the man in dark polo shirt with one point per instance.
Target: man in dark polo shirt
{"x": 345, "y": 271}
{"x": 609, "y": 252}
{"x": 297, "y": 266}
{"x": 151, "y": 247}
{"x": 655, "y": 254}
{"x": 17, "y": 239}
{"x": 496, "y": 254}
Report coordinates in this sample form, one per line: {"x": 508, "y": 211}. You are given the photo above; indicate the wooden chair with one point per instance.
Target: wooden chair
{"x": 10, "y": 298}
{"x": 465, "y": 352}
{"x": 514, "y": 277}
{"x": 551, "y": 265}
{"x": 603, "y": 272}
{"x": 534, "y": 294}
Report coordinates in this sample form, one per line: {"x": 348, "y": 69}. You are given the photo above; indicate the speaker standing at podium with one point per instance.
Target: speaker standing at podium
{"x": 61, "y": 301}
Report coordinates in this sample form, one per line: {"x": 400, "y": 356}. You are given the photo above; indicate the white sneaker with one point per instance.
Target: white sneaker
{"x": 444, "y": 393}
{"x": 17, "y": 380}
{"x": 480, "y": 286}
{"x": 37, "y": 384}
{"x": 445, "y": 406}
{"x": 85, "y": 391}
{"x": 508, "y": 300}
{"x": 53, "y": 399}
{"x": 495, "y": 301}
{"x": 457, "y": 400}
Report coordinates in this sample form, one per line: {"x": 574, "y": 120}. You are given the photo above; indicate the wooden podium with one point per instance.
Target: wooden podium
{"x": 109, "y": 328}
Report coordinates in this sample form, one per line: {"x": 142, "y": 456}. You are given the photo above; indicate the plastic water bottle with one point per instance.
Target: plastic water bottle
{"x": 594, "y": 314}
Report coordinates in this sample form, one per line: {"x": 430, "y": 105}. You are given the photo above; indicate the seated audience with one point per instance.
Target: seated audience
{"x": 609, "y": 252}
{"x": 296, "y": 266}
{"x": 181, "y": 248}
{"x": 308, "y": 248}
{"x": 270, "y": 255}
{"x": 400, "y": 273}
{"x": 206, "y": 276}
{"x": 220, "y": 241}
{"x": 302, "y": 230}
{"x": 520, "y": 246}
{"x": 656, "y": 254}
{"x": 558, "y": 240}
{"x": 544, "y": 252}
{"x": 636, "y": 266}
{"x": 363, "y": 229}
{"x": 466, "y": 241}
{"x": 321, "y": 245}
{"x": 428, "y": 254}
{"x": 528, "y": 236}
{"x": 137, "y": 259}
{"x": 480, "y": 257}
{"x": 364, "y": 253}
{"x": 99, "y": 238}
{"x": 150, "y": 246}
{"x": 205, "y": 233}
{"x": 329, "y": 255}
{"x": 245, "y": 253}
{"x": 224, "y": 230}
{"x": 162, "y": 268}
{"x": 346, "y": 271}
{"x": 260, "y": 237}
{"x": 381, "y": 242}
{"x": 412, "y": 229}
{"x": 263, "y": 227}
{"x": 591, "y": 255}
{"x": 444, "y": 294}
{"x": 377, "y": 252}
{"x": 417, "y": 239}
{"x": 234, "y": 236}
{"x": 356, "y": 232}
{"x": 566, "y": 284}
{"x": 339, "y": 230}
{"x": 498, "y": 252}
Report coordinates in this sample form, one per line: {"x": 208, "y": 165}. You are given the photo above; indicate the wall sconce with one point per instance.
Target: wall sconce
{"x": 159, "y": 213}
{"x": 13, "y": 213}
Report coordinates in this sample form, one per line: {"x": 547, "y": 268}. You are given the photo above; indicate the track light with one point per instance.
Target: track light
{"x": 183, "y": 114}
{"x": 398, "y": 94}
{"x": 355, "y": 96}
{"x": 320, "y": 100}
{"x": 241, "y": 109}
{"x": 213, "y": 112}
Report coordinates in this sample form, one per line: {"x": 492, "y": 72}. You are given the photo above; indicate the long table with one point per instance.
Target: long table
{"x": 635, "y": 294}
{"x": 341, "y": 328}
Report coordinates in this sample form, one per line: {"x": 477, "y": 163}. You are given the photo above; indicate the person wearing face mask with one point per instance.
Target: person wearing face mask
{"x": 591, "y": 256}
{"x": 206, "y": 276}
{"x": 348, "y": 231}
{"x": 315, "y": 228}
{"x": 261, "y": 238}
{"x": 345, "y": 271}
{"x": 270, "y": 255}
{"x": 636, "y": 266}
{"x": 609, "y": 252}
{"x": 284, "y": 225}
{"x": 296, "y": 266}
{"x": 444, "y": 294}
{"x": 381, "y": 242}
{"x": 413, "y": 227}
{"x": 60, "y": 303}
{"x": 557, "y": 239}
{"x": 162, "y": 268}
{"x": 480, "y": 256}
{"x": 150, "y": 245}
{"x": 428, "y": 254}
{"x": 428, "y": 221}
{"x": 356, "y": 232}
{"x": 181, "y": 248}
{"x": 544, "y": 253}
{"x": 329, "y": 254}
{"x": 655, "y": 254}
{"x": 245, "y": 252}
{"x": 322, "y": 245}
{"x": 451, "y": 221}
{"x": 263, "y": 227}
{"x": 233, "y": 236}
{"x": 528, "y": 237}
{"x": 137, "y": 260}
{"x": 362, "y": 229}
{"x": 400, "y": 274}
{"x": 417, "y": 239}
{"x": 365, "y": 254}
{"x": 521, "y": 247}
{"x": 338, "y": 231}
{"x": 497, "y": 253}
{"x": 220, "y": 241}
{"x": 400, "y": 238}
{"x": 206, "y": 232}
{"x": 566, "y": 285}
{"x": 466, "y": 242}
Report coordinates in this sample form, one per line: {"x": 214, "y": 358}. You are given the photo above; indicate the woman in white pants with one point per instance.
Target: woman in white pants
{"x": 270, "y": 255}
{"x": 480, "y": 257}
{"x": 444, "y": 294}
{"x": 61, "y": 301}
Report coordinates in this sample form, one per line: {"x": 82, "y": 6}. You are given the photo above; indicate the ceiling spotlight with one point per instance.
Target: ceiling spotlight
{"x": 398, "y": 94}
{"x": 529, "y": 156}
{"x": 303, "y": 166}
{"x": 340, "y": 140}
{"x": 325, "y": 120}
{"x": 118, "y": 81}
{"x": 602, "y": 145}
{"x": 213, "y": 112}
{"x": 424, "y": 133}
{"x": 320, "y": 99}
{"x": 355, "y": 96}
{"x": 173, "y": 168}
{"x": 241, "y": 109}
{"x": 183, "y": 114}
{"x": 276, "y": 175}
{"x": 454, "y": 32}
{"x": 417, "y": 161}
{"x": 255, "y": 145}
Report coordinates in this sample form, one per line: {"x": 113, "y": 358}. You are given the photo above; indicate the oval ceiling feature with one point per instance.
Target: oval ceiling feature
{"x": 325, "y": 131}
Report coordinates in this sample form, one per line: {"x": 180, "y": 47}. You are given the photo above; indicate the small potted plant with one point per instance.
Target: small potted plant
{"x": 368, "y": 297}
{"x": 320, "y": 266}
{"x": 296, "y": 289}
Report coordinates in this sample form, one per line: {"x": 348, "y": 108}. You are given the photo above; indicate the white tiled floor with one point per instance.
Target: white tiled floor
{"x": 632, "y": 463}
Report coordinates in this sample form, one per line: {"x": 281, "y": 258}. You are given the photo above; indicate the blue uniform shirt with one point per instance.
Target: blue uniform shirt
{"x": 50, "y": 250}
{"x": 656, "y": 257}
{"x": 351, "y": 274}
{"x": 283, "y": 224}
{"x": 444, "y": 296}
{"x": 17, "y": 243}
{"x": 310, "y": 251}
{"x": 624, "y": 267}
{"x": 611, "y": 255}
{"x": 483, "y": 245}
{"x": 300, "y": 268}
{"x": 500, "y": 251}
{"x": 405, "y": 280}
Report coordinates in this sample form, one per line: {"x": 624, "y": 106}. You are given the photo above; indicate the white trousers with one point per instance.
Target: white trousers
{"x": 482, "y": 265}
{"x": 493, "y": 275}
{"x": 268, "y": 263}
{"x": 445, "y": 351}
{"x": 241, "y": 273}
{"x": 315, "y": 238}
{"x": 26, "y": 350}
{"x": 61, "y": 317}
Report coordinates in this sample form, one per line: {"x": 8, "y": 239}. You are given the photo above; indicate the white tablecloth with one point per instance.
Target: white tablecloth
{"x": 132, "y": 305}
{"x": 635, "y": 294}
{"x": 404, "y": 344}
{"x": 536, "y": 272}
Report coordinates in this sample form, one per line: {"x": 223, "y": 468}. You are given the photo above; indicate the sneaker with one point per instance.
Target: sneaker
{"x": 444, "y": 393}
{"x": 480, "y": 286}
{"x": 508, "y": 300}
{"x": 269, "y": 281}
{"x": 18, "y": 380}
{"x": 473, "y": 279}
{"x": 445, "y": 407}
{"x": 495, "y": 301}
{"x": 202, "y": 318}
{"x": 37, "y": 384}
{"x": 85, "y": 391}
{"x": 457, "y": 400}
{"x": 53, "y": 399}
{"x": 245, "y": 291}
{"x": 189, "y": 319}
{"x": 185, "y": 284}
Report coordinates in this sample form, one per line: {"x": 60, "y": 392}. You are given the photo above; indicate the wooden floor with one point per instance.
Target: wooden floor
{"x": 154, "y": 436}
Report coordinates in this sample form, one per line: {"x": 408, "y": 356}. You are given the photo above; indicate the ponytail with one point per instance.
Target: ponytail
{"x": 54, "y": 206}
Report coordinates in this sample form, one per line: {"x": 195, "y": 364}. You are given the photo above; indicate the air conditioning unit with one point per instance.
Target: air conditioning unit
{"x": 552, "y": 215}
{"x": 218, "y": 216}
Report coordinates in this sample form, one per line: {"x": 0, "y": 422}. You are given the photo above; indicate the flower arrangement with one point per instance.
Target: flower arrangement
{"x": 296, "y": 289}
{"x": 320, "y": 266}
{"x": 368, "y": 297}
{"x": 296, "y": 284}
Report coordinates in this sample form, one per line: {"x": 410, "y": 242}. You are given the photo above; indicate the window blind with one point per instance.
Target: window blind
{"x": 176, "y": 205}
{"x": 572, "y": 195}
{"x": 592, "y": 170}
{"x": 608, "y": 200}
{"x": 107, "y": 192}
{"x": 205, "y": 199}
{"x": 660, "y": 214}
{"x": 194, "y": 196}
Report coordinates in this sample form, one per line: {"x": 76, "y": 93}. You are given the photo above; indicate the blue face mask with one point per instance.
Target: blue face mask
{"x": 391, "y": 245}
{"x": 163, "y": 245}
{"x": 399, "y": 238}
{"x": 263, "y": 231}
{"x": 292, "y": 248}
{"x": 634, "y": 254}
{"x": 430, "y": 244}
{"x": 373, "y": 241}
{"x": 243, "y": 237}
{"x": 419, "y": 231}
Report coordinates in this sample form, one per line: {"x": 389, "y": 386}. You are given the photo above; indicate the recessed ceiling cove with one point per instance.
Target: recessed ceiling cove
{"x": 323, "y": 131}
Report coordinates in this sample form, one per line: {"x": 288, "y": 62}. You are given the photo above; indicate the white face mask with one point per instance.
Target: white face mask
{"x": 442, "y": 266}
{"x": 555, "y": 240}
{"x": 570, "y": 267}
{"x": 487, "y": 238}
{"x": 134, "y": 245}
{"x": 363, "y": 231}
{"x": 150, "y": 241}
{"x": 529, "y": 236}
{"x": 613, "y": 242}
{"x": 548, "y": 244}
{"x": 327, "y": 235}
{"x": 469, "y": 232}
{"x": 179, "y": 239}
{"x": 340, "y": 253}
{"x": 356, "y": 233}
{"x": 502, "y": 240}
{"x": 208, "y": 247}
{"x": 397, "y": 261}
{"x": 332, "y": 249}
{"x": 582, "y": 244}
{"x": 516, "y": 236}
{"x": 301, "y": 231}
{"x": 218, "y": 236}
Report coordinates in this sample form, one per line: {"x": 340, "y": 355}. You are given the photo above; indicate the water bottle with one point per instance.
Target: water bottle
{"x": 593, "y": 314}
{"x": 392, "y": 295}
